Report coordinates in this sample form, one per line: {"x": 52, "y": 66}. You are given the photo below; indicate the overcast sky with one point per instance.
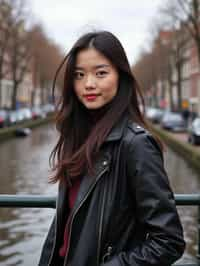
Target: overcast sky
{"x": 129, "y": 20}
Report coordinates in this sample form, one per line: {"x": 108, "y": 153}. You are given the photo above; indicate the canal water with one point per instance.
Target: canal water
{"x": 25, "y": 170}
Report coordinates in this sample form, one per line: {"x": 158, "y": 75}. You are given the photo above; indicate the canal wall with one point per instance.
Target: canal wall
{"x": 187, "y": 151}
{"x": 10, "y": 132}
{"x": 190, "y": 153}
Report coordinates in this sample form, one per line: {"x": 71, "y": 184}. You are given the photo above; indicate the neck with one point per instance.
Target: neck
{"x": 97, "y": 114}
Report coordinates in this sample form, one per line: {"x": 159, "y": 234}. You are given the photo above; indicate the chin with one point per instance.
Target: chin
{"x": 93, "y": 106}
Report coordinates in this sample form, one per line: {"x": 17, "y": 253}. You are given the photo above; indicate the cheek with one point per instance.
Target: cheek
{"x": 77, "y": 89}
{"x": 111, "y": 88}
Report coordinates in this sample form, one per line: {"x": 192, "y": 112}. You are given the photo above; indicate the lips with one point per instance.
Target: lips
{"x": 91, "y": 97}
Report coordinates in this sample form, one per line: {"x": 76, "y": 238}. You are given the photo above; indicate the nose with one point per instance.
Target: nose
{"x": 90, "y": 82}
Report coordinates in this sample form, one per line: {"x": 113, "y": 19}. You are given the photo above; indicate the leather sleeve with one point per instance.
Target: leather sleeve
{"x": 155, "y": 207}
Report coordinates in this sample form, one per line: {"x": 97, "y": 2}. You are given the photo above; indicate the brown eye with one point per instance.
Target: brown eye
{"x": 78, "y": 75}
{"x": 101, "y": 73}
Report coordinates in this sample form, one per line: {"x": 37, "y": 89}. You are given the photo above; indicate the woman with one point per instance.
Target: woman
{"x": 115, "y": 206}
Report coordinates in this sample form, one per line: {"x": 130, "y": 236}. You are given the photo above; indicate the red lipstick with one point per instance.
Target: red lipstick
{"x": 91, "y": 97}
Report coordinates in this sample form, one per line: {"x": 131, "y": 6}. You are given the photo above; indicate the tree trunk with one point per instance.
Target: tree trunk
{"x": 42, "y": 96}
{"x": 179, "y": 87}
{"x": 198, "y": 51}
{"x": 1, "y": 78}
{"x": 163, "y": 89}
{"x": 0, "y": 92}
{"x": 33, "y": 97}
{"x": 170, "y": 84}
{"x": 155, "y": 97}
{"x": 14, "y": 96}
{"x": 171, "y": 100}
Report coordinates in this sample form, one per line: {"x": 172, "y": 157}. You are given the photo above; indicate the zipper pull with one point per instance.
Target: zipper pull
{"x": 107, "y": 254}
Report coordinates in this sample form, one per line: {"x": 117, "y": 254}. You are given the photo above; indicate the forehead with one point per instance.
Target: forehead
{"x": 91, "y": 58}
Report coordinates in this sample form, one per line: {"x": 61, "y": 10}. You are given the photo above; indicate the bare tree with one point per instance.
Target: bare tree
{"x": 14, "y": 44}
{"x": 20, "y": 56}
{"x": 46, "y": 56}
{"x": 164, "y": 66}
{"x": 5, "y": 34}
{"x": 187, "y": 14}
{"x": 179, "y": 58}
{"x": 146, "y": 72}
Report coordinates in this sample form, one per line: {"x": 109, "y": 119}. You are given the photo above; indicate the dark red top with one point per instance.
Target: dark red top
{"x": 73, "y": 191}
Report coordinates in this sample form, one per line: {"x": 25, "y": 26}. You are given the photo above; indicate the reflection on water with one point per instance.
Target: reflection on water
{"x": 24, "y": 170}
{"x": 184, "y": 179}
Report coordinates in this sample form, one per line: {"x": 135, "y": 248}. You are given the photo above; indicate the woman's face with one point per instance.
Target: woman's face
{"x": 95, "y": 79}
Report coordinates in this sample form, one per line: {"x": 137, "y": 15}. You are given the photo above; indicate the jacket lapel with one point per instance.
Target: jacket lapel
{"x": 88, "y": 181}
{"x": 102, "y": 163}
{"x": 101, "y": 166}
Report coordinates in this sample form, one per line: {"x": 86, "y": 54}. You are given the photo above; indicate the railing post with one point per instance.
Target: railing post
{"x": 198, "y": 226}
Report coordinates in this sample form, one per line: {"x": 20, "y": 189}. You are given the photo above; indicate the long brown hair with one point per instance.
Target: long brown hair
{"x": 79, "y": 142}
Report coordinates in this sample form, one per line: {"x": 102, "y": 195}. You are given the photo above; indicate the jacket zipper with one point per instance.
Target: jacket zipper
{"x": 74, "y": 214}
{"x": 107, "y": 254}
{"x": 101, "y": 226}
{"x": 54, "y": 243}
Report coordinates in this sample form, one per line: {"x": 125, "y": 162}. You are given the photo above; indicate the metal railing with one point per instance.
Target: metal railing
{"x": 27, "y": 201}
{"x": 38, "y": 201}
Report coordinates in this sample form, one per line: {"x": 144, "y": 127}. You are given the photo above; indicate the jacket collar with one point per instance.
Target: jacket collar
{"x": 101, "y": 166}
{"x": 117, "y": 131}
{"x": 104, "y": 159}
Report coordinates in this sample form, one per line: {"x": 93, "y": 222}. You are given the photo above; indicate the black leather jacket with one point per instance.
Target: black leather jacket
{"x": 125, "y": 215}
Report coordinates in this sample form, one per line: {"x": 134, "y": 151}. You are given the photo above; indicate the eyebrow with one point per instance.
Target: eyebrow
{"x": 95, "y": 67}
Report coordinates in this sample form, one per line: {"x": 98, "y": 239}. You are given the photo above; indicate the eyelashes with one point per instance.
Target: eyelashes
{"x": 79, "y": 75}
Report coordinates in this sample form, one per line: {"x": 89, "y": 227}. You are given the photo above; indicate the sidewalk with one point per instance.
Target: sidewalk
{"x": 178, "y": 142}
{"x": 180, "y": 136}
{"x": 184, "y": 138}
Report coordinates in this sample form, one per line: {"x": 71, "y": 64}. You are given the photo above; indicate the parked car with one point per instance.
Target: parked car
{"x": 194, "y": 132}
{"x": 20, "y": 115}
{"x": 154, "y": 114}
{"x": 37, "y": 112}
{"x": 12, "y": 118}
{"x": 174, "y": 122}
{"x": 26, "y": 113}
{"x": 48, "y": 108}
{"x": 3, "y": 118}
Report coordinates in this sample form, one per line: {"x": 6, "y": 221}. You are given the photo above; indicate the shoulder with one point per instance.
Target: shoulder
{"x": 134, "y": 131}
{"x": 135, "y": 128}
{"x": 140, "y": 139}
